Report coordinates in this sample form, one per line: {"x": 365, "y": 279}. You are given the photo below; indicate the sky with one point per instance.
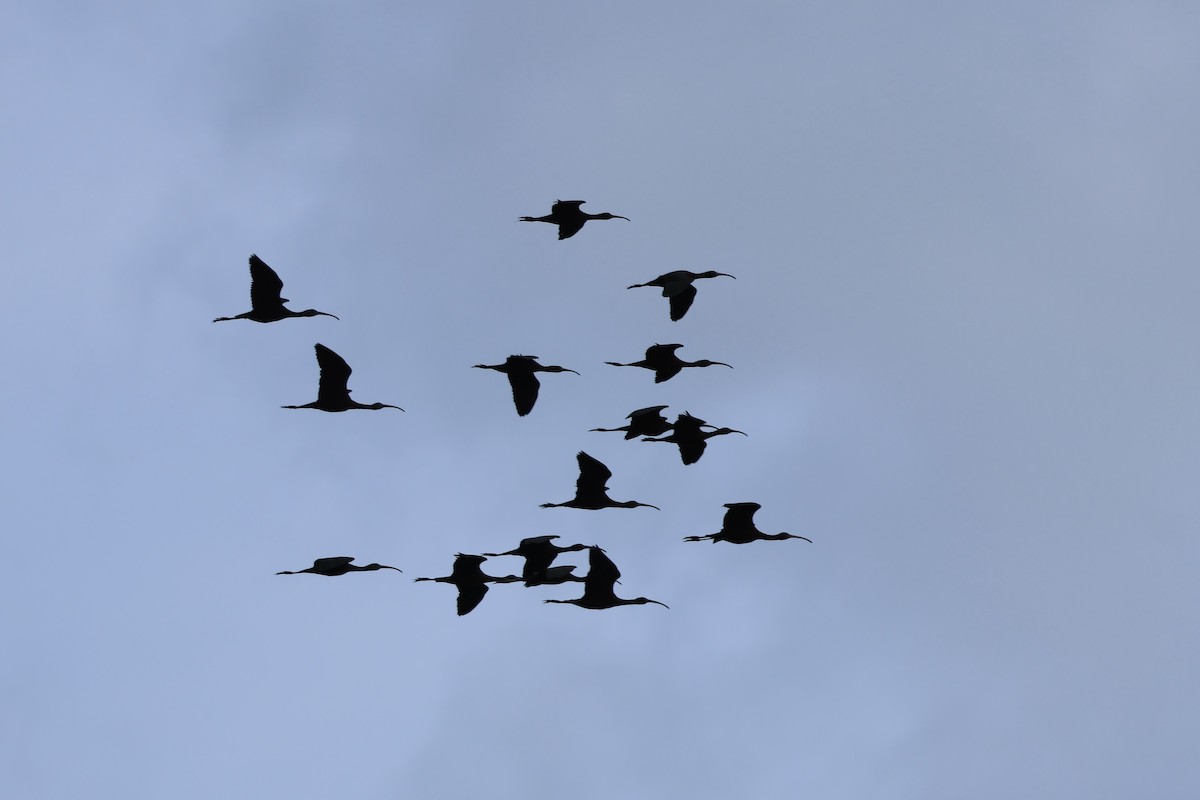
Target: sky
{"x": 962, "y": 331}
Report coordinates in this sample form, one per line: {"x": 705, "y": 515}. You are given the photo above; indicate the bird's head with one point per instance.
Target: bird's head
{"x": 382, "y": 566}
{"x": 312, "y": 312}
{"x": 712, "y": 273}
{"x": 377, "y": 406}
{"x": 704, "y": 362}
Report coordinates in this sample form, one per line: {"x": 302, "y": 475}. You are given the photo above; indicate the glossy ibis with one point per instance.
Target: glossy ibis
{"x": 569, "y": 218}
{"x": 520, "y": 371}
{"x": 688, "y": 434}
{"x": 539, "y": 552}
{"x": 468, "y": 576}
{"x": 678, "y": 289}
{"x": 266, "y": 304}
{"x": 662, "y": 360}
{"x": 591, "y": 490}
{"x": 337, "y": 565}
{"x": 643, "y": 422}
{"x": 738, "y": 527}
{"x": 598, "y": 585}
{"x": 332, "y": 391}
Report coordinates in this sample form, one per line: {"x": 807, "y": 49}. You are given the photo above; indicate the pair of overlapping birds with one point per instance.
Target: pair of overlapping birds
{"x": 689, "y": 433}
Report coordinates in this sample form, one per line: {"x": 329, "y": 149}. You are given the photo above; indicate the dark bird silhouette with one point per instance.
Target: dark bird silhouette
{"x": 468, "y": 576}
{"x": 688, "y": 433}
{"x": 643, "y": 422}
{"x": 520, "y": 371}
{"x": 337, "y": 565}
{"x": 738, "y": 527}
{"x": 677, "y": 287}
{"x": 332, "y": 394}
{"x": 266, "y": 304}
{"x": 598, "y": 585}
{"x": 539, "y": 552}
{"x": 591, "y": 489}
{"x": 666, "y": 365}
{"x": 567, "y": 215}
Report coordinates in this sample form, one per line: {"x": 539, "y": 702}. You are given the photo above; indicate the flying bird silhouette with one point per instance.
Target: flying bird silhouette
{"x": 266, "y": 304}
{"x": 591, "y": 489}
{"x": 332, "y": 391}
{"x": 337, "y": 565}
{"x": 468, "y": 577}
{"x": 520, "y": 371}
{"x": 598, "y": 585}
{"x": 539, "y": 552}
{"x": 678, "y": 289}
{"x": 738, "y": 527}
{"x": 688, "y": 433}
{"x": 665, "y": 364}
{"x": 643, "y": 422}
{"x": 567, "y": 215}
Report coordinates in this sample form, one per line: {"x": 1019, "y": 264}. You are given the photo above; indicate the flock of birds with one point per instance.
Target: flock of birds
{"x": 687, "y": 432}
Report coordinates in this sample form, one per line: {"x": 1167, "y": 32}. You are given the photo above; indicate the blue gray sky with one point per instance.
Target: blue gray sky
{"x": 963, "y": 331}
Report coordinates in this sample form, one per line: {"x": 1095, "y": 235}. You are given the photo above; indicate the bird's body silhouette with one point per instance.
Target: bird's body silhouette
{"x": 688, "y": 432}
{"x": 469, "y": 578}
{"x": 738, "y": 527}
{"x": 598, "y": 585}
{"x": 539, "y": 553}
{"x": 643, "y": 422}
{"x": 333, "y": 393}
{"x": 569, "y": 218}
{"x": 266, "y": 302}
{"x": 337, "y": 565}
{"x": 520, "y": 371}
{"x": 591, "y": 489}
{"x": 678, "y": 288}
{"x": 661, "y": 359}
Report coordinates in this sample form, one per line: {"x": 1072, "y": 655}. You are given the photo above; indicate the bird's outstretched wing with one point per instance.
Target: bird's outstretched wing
{"x": 690, "y": 450}
{"x": 602, "y": 572}
{"x": 649, "y": 411}
{"x": 332, "y": 561}
{"x": 335, "y": 375}
{"x": 265, "y": 286}
{"x": 566, "y": 206}
{"x": 593, "y": 475}
{"x": 665, "y": 373}
{"x": 740, "y": 516}
{"x": 553, "y": 575}
{"x": 469, "y": 596}
{"x": 681, "y": 301}
{"x": 525, "y": 387}
{"x": 656, "y": 351}
{"x": 569, "y": 228}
